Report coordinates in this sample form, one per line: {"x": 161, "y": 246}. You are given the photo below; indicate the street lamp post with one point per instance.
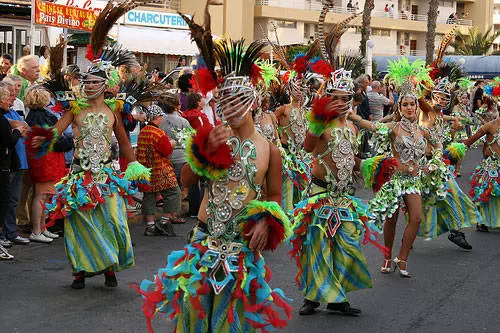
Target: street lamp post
{"x": 369, "y": 57}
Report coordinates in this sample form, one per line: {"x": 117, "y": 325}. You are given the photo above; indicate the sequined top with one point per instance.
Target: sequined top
{"x": 295, "y": 131}
{"x": 411, "y": 148}
{"x": 267, "y": 130}
{"x": 342, "y": 148}
{"x": 227, "y": 196}
{"x": 93, "y": 144}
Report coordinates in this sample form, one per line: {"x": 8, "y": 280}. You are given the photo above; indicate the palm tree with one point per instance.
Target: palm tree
{"x": 365, "y": 26}
{"x": 431, "y": 31}
{"x": 475, "y": 43}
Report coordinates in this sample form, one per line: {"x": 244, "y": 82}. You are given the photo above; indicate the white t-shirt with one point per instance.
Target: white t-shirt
{"x": 207, "y": 108}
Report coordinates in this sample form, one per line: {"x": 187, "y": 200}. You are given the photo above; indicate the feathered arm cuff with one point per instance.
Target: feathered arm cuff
{"x": 454, "y": 153}
{"x": 50, "y": 135}
{"x": 271, "y": 213}
{"x": 211, "y": 165}
{"x": 378, "y": 170}
{"x": 138, "y": 174}
{"x": 320, "y": 117}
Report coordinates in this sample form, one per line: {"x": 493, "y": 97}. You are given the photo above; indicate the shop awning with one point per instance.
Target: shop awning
{"x": 155, "y": 40}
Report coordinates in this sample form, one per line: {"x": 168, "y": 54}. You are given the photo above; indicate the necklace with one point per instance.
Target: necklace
{"x": 408, "y": 125}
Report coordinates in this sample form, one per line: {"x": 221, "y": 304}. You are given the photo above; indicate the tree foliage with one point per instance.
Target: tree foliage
{"x": 474, "y": 43}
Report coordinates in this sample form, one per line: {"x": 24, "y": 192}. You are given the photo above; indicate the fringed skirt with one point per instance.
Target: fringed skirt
{"x": 326, "y": 244}
{"x": 96, "y": 233}
{"x": 454, "y": 212}
{"x": 211, "y": 286}
{"x": 485, "y": 192}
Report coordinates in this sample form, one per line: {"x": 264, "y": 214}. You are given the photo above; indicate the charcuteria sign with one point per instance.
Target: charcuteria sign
{"x": 155, "y": 19}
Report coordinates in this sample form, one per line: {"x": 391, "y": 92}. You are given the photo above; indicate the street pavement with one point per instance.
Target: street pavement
{"x": 452, "y": 290}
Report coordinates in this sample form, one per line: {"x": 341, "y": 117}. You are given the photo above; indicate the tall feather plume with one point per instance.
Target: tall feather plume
{"x": 234, "y": 57}
{"x": 278, "y": 51}
{"x": 448, "y": 37}
{"x": 321, "y": 27}
{"x": 202, "y": 36}
{"x": 56, "y": 57}
{"x": 105, "y": 21}
{"x": 333, "y": 38}
{"x": 56, "y": 81}
{"x": 313, "y": 49}
{"x": 350, "y": 60}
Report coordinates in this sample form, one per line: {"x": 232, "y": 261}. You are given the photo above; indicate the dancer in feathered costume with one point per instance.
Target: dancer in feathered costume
{"x": 461, "y": 110}
{"x": 330, "y": 225}
{"x": 406, "y": 141}
{"x": 292, "y": 125}
{"x": 485, "y": 179}
{"x": 91, "y": 197}
{"x": 219, "y": 282}
{"x": 265, "y": 121}
{"x": 456, "y": 210}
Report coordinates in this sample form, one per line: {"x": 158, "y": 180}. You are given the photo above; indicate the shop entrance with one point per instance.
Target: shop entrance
{"x": 13, "y": 39}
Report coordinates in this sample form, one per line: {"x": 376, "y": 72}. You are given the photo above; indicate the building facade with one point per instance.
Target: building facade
{"x": 399, "y": 29}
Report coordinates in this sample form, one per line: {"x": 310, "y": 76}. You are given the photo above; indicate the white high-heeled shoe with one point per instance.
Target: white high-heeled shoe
{"x": 386, "y": 267}
{"x": 402, "y": 272}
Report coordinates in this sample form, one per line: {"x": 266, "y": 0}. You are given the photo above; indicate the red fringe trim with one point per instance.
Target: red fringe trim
{"x": 276, "y": 232}
{"x": 387, "y": 169}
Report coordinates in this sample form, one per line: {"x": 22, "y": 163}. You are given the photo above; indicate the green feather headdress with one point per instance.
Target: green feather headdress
{"x": 465, "y": 83}
{"x": 268, "y": 72}
{"x": 406, "y": 76}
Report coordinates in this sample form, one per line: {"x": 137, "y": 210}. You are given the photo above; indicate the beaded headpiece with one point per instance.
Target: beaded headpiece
{"x": 154, "y": 111}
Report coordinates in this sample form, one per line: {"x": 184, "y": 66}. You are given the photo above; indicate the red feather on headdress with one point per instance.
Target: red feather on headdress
{"x": 286, "y": 77}
{"x": 255, "y": 74}
{"x": 90, "y": 54}
{"x": 300, "y": 65}
{"x": 322, "y": 67}
{"x": 496, "y": 91}
{"x": 203, "y": 81}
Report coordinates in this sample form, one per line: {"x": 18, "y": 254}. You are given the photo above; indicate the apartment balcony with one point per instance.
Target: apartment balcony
{"x": 305, "y": 5}
{"x": 496, "y": 19}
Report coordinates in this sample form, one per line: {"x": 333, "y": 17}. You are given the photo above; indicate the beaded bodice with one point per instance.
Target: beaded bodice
{"x": 227, "y": 196}
{"x": 495, "y": 140}
{"x": 267, "y": 130}
{"x": 411, "y": 144}
{"x": 295, "y": 130}
{"x": 93, "y": 146}
{"x": 342, "y": 147}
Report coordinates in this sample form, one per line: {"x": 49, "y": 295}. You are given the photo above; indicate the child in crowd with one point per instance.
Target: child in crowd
{"x": 47, "y": 170}
{"x": 153, "y": 150}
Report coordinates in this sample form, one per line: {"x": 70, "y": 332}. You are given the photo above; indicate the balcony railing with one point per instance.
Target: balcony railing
{"x": 309, "y": 5}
